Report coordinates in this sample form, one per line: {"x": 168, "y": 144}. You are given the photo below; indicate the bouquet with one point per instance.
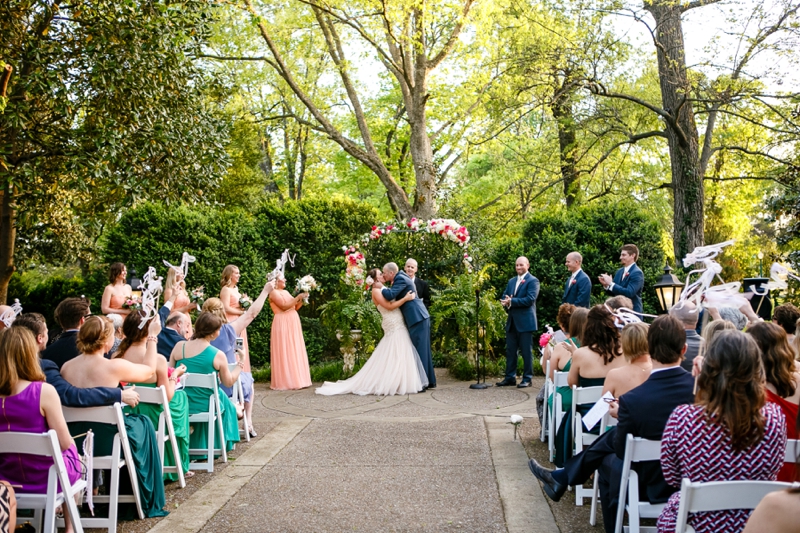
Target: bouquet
{"x": 245, "y": 302}
{"x": 547, "y": 338}
{"x": 198, "y": 296}
{"x": 132, "y": 302}
{"x": 306, "y": 284}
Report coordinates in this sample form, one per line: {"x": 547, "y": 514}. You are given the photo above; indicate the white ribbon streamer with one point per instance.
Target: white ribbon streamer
{"x": 151, "y": 290}
{"x": 88, "y": 460}
{"x": 185, "y": 260}
{"x": 280, "y": 264}
{"x": 724, "y": 295}
{"x": 11, "y": 314}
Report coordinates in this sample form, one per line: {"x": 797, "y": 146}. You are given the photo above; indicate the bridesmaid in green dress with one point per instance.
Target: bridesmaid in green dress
{"x": 135, "y": 349}
{"x": 200, "y": 357}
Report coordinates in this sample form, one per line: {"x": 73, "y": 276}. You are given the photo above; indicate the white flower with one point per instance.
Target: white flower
{"x": 516, "y": 419}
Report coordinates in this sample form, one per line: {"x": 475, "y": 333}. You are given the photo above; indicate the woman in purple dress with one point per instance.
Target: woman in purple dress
{"x": 30, "y": 405}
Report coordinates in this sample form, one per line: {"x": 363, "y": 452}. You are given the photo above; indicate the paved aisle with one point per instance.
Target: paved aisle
{"x": 439, "y": 461}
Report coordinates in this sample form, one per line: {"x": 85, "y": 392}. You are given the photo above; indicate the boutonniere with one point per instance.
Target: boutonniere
{"x": 626, "y": 274}
{"x": 573, "y": 281}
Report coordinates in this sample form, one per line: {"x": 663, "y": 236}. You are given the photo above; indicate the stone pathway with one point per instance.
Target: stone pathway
{"x": 444, "y": 460}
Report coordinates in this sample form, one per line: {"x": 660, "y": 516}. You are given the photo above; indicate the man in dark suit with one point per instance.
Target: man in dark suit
{"x": 578, "y": 290}
{"x": 641, "y": 412}
{"x": 519, "y": 300}
{"x": 70, "y": 315}
{"x": 415, "y": 314}
{"x": 686, "y": 313}
{"x": 423, "y": 290}
{"x": 175, "y": 327}
{"x": 628, "y": 280}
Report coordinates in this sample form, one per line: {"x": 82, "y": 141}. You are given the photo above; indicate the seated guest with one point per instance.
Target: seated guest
{"x": 71, "y": 396}
{"x": 642, "y": 412}
{"x": 226, "y": 341}
{"x": 591, "y": 362}
{"x": 710, "y": 333}
{"x": 136, "y": 350}
{"x": 634, "y": 348}
{"x": 561, "y": 360}
{"x": 175, "y": 284}
{"x": 70, "y": 315}
{"x": 175, "y": 327}
{"x": 786, "y": 316}
{"x": 30, "y": 405}
{"x": 117, "y": 291}
{"x": 563, "y": 317}
{"x": 731, "y": 432}
{"x": 200, "y": 357}
{"x": 782, "y": 380}
{"x": 731, "y": 314}
{"x": 619, "y": 302}
{"x": 687, "y": 314}
{"x": 92, "y": 369}
{"x": 118, "y": 335}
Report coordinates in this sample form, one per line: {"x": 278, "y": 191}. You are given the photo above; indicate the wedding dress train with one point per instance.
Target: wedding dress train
{"x": 393, "y": 368}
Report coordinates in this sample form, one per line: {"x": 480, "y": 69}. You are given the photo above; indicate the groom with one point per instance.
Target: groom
{"x": 417, "y": 319}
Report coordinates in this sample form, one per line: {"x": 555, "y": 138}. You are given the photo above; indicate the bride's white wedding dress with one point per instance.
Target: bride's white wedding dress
{"x": 393, "y": 368}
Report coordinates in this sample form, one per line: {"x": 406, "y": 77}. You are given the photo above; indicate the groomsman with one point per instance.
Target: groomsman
{"x": 423, "y": 290}
{"x": 519, "y": 300}
{"x": 578, "y": 289}
{"x": 628, "y": 280}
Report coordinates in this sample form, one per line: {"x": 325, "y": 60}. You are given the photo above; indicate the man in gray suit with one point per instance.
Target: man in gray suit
{"x": 687, "y": 315}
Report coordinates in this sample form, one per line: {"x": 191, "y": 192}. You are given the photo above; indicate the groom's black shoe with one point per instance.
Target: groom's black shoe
{"x": 424, "y": 389}
{"x": 431, "y": 386}
{"x": 552, "y": 488}
{"x": 524, "y": 384}
{"x": 506, "y": 383}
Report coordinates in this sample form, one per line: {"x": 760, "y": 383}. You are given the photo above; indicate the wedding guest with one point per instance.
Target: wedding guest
{"x": 711, "y": 331}
{"x": 628, "y": 280}
{"x": 635, "y": 350}
{"x": 562, "y": 317}
{"x": 30, "y": 405}
{"x": 519, "y": 301}
{"x": 71, "y": 396}
{"x": 200, "y": 357}
{"x": 117, "y": 291}
{"x": 136, "y": 349}
{"x": 730, "y": 426}
{"x": 118, "y": 335}
{"x": 230, "y": 296}
{"x": 70, "y": 315}
{"x": 176, "y": 284}
{"x": 561, "y": 360}
{"x": 786, "y": 316}
{"x": 288, "y": 356}
{"x": 687, "y": 314}
{"x": 777, "y": 357}
{"x": 92, "y": 369}
{"x": 226, "y": 342}
{"x": 421, "y": 286}
{"x": 619, "y": 302}
{"x": 578, "y": 290}
{"x": 175, "y": 326}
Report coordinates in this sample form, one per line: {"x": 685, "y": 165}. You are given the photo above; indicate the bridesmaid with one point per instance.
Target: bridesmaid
{"x": 173, "y": 284}
{"x": 117, "y": 291}
{"x": 229, "y": 294}
{"x": 288, "y": 348}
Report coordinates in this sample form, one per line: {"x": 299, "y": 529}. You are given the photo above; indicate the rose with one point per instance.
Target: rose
{"x": 515, "y": 421}
{"x": 544, "y": 340}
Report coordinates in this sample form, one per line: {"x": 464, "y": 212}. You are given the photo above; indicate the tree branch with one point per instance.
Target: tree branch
{"x": 448, "y": 47}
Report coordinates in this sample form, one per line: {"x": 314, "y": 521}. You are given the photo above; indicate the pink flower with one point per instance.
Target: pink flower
{"x": 544, "y": 340}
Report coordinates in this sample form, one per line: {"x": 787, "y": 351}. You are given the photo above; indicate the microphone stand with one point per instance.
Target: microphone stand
{"x": 478, "y": 384}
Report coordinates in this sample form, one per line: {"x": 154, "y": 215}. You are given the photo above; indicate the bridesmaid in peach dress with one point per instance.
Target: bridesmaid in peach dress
{"x": 116, "y": 292}
{"x": 289, "y": 359}
{"x": 182, "y": 303}
{"x": 233, "y": 309}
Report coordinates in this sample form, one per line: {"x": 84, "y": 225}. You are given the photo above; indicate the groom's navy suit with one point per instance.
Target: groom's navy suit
{"x": 418, "y": 321}
{"x": 520, "y": 325}
{"x": 630, "y": 285}
{"x": 579, "y": 293}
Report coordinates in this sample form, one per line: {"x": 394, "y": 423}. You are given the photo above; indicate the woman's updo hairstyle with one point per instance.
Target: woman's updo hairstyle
{"x": 95, "y": 333}
{"x": 214, "y": 306}
{"x": 373, "y": 273}
{"x": 206, "y": 325}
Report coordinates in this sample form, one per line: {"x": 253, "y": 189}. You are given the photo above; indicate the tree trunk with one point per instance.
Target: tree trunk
{"x": 8, "y": 234}
{"x": 562, "y": 112}
{"x": 687, "y": 180}
{"x": 422, "y": 153}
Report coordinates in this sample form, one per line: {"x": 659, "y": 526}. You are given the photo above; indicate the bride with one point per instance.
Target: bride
{"x": 394, "y": 367}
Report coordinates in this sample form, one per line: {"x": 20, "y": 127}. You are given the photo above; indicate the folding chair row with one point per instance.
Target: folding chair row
{"x": 212, "y": 418}
{"x": 238, "y": 397}
{"x": 557, "y": 411}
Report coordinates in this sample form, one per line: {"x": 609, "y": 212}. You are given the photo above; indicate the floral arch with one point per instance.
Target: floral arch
{"x": 450, "y": 230}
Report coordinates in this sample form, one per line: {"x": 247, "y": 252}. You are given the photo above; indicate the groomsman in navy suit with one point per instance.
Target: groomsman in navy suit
{"x": 519, "y": 300}
{"x": 578, "y": 290}
{"x": 628, "y": 280}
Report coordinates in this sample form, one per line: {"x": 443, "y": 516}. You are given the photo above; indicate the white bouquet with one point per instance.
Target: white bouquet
{"x": 307, "y": 284}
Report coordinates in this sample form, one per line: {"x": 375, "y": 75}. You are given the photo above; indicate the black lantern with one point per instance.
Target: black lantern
{"x": 136, "y": 284}
{"x": 668, "y": 288}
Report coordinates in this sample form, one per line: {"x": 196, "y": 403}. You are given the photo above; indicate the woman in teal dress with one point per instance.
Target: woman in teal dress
{"x": 200, "y": 357}
{"x": 601, "y": 352}
{"x": 135, "y": 349}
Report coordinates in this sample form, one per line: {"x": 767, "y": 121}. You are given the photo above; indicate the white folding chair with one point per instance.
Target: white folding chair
{"x": 120, "y": 457}
{"x": 636, "y": 450}
{"x": 721, "y": 496}
{"x": 165, "y": 432}
{"x": 792, "y": 451}
{"x": 212, "y": 418}
{"x": 582, "y": 396}
{"x": 546, "y": 407}
{"x": 46, "y": 445}
{"x": 557, "y": 412}
{"x": 238, "y": 397}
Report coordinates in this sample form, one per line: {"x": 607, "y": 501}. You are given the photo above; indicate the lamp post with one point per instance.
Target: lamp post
{"x": 668, "y": 288}
{"x": 136, "y": 284}
{"x": 760, "y": 264}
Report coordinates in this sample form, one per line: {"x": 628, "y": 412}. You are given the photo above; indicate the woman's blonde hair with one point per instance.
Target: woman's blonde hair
{"x": 227, "y": 274}
{"x": 170, "y": 282}
{"x": 20, "y": 360}
{"x": 95, "y": 333}
{"x": 214, "y": 306}
{"x": 634, "y": 341}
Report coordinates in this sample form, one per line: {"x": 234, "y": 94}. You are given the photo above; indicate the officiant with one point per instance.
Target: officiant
{"x": 423, "y": 290}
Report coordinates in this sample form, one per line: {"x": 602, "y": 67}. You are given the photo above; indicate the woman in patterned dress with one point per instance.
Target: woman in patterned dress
{"x": 731, "y": 433}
